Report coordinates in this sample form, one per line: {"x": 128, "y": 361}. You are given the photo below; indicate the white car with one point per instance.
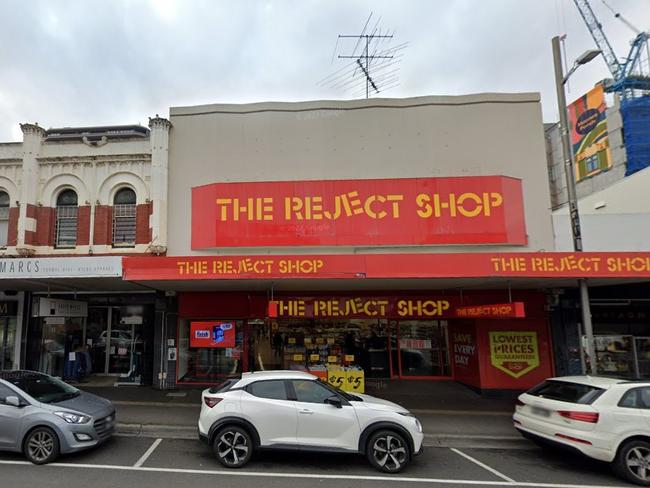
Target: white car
{"x": 295, "y": 410}
{"x": 603, "y": 418}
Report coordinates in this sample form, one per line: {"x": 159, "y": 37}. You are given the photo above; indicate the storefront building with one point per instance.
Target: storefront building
{"x": 364, "y": 241}
{"x": 73, "y": 201}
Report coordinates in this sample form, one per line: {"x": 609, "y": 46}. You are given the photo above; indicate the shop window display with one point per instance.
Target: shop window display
{"x": 200, "y": 361}
{"x": 423, "y": 348}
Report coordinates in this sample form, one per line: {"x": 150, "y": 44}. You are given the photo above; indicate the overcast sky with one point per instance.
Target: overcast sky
{"x": 92, "y": 62}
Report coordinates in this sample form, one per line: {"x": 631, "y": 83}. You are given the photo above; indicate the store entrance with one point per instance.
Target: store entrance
{"x": 7, "y": 339}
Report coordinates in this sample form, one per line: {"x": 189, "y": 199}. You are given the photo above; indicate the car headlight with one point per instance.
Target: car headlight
{"x": 418, "y": 425}
{"x": 73, "y": 418}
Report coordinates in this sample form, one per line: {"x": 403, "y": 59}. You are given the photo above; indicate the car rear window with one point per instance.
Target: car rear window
{"x": 565, "y": 391}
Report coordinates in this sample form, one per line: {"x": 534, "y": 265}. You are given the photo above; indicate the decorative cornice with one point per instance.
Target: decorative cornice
{"x": 32, "y": 129}
{"x": 158, "y": 122}
{"x": 107, "y": 159}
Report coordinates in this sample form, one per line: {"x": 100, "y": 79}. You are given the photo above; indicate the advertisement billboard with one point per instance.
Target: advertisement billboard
{"x": 213, "y": 334}
{"x": 405, "y": 211}
{"x": 588, "y": 130}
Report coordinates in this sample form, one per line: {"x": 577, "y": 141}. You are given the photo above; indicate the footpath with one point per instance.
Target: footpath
{"x": 451, "y": 414}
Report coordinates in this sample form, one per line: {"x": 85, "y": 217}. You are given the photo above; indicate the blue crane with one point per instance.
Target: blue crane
{"x": 630, "y": 77}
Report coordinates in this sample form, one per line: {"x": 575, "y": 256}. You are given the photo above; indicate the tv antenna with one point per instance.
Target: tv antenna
{"x": 374, "y": 62}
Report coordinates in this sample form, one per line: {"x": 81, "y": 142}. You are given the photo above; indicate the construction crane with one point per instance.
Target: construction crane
{"x": 631, "y": 77}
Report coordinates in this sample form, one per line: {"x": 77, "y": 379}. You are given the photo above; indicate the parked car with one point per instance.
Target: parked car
{"x": 295, "y": 410}
{"x": 43, "y": 417}
{"x": 603, "y": 418}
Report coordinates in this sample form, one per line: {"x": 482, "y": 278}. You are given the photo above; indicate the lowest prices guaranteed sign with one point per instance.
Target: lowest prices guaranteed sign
{"x": 514, "y": 353}
{"x": 409, "y": 211}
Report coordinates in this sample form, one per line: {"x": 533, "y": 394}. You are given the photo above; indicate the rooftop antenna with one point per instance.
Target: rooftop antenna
{"x": 373, "y": 64}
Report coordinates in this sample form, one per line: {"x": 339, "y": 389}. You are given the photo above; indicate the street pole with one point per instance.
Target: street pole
{"x": 574, "y": 215}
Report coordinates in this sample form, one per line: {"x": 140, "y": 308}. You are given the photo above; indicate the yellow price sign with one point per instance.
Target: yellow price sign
{"x": 314, "y": 357}
{"x": 297, "y": 357}
{"x": 330, "y": 340}
{"x": 354, "y": 381}
{"x": 320, "y": 340}
{"x": 332, "y": 359}
{"x": 349, "y": 358}
{"x": 336, "y": 378}
{"x": 292, "y": 340}
{"x": 307, "y": 340}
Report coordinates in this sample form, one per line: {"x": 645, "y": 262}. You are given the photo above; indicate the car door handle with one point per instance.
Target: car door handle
{"x": 306, "y": 411}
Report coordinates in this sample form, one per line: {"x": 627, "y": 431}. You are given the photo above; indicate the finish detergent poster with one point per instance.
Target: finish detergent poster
{"x": 212, "y": 334}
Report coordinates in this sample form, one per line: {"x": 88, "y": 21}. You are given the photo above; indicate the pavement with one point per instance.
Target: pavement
{"x": 452, "y": 415}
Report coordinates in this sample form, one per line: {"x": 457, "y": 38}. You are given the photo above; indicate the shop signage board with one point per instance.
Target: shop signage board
{"x": 73, "y": 267}
{"x": 55, "y": 307}
{"x": 516, "y": 353}
{"x": 370, "y": 266}
{"x": 492, "y": 311}
{"x": 370, "y": 212}
{"x": 8, "y": 308}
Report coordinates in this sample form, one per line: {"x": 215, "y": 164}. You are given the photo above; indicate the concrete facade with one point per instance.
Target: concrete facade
{"x": 472, "y": 135}
{"x": 95, "y": 163}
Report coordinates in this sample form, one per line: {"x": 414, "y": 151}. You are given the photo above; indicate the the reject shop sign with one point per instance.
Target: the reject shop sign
{"x": 408, "y": 211}
{"x": 372, "y": 266}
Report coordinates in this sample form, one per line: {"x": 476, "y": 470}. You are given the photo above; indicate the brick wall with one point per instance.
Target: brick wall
{"x": 30, "y": 236}
{"x": 142, "y": 229}
{"x": 83, "y": 226}
{"x": 103, "y": 225}
{"x": 12, "y": 234}
{"x": 44, "y": 235}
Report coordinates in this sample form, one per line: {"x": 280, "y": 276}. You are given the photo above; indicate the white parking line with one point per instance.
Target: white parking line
{"x": 257, "y": 474}
{"x": 148, "y": 453}
{"x": 484, "y": 466}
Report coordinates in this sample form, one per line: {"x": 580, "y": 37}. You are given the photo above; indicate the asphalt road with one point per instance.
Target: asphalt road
{"x": 146, "y": 462}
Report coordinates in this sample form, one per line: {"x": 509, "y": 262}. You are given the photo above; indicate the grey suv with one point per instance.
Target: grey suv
{"x": 42, "y": 416}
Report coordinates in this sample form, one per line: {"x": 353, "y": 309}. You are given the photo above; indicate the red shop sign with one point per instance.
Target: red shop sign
{"x": 492, "y": 311}
{"x": 408, "y": 211}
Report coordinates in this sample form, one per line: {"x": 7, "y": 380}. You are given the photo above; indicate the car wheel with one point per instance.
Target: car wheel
{"x": 233, "y": 446}
{"x": 388, "y": 451}
{"x": 633, "y": 462}
{"x": 41, "y": 445}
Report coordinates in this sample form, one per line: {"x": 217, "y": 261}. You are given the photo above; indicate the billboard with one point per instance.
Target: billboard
{"x": 588, "y": 130}
{"x": 377, "y": 212}
{"x": 212, "y": 334}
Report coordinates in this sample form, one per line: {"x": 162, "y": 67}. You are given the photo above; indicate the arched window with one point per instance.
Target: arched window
{"x": 4, "y": 218}
{"x": 66, "y": 219}
{"x": 124, "y": 218}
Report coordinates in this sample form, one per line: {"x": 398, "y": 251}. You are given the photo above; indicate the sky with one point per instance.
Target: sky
{"x": 110, "y": 62}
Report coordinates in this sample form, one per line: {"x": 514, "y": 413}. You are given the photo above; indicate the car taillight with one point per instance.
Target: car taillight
{"x": 211, "y": 401}
{"x": 590, "y": 417}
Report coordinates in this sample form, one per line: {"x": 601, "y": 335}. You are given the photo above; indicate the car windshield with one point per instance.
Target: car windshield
{"x": 42, "y": 387}
{"x": 565, "y": 391}
{"x": 348, "y": 396}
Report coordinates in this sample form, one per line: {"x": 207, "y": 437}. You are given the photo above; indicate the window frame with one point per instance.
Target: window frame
{"x": 4, "y": 217}
{"x": 59, "y": 217}
{"x": 633, "y": 391}
{"x": 249, "y": 387}
{"x": 129, "y": 219}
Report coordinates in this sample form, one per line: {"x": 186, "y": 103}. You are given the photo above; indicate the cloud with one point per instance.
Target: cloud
{"x": 74, "y": 62}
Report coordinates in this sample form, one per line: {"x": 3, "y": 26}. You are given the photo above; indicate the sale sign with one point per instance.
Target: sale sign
{"x": 514, "y": 353}
{"x": 214, "y": 334}
{"x": 408, "y": 211}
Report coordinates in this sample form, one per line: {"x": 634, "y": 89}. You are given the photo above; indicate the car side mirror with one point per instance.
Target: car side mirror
{"x": 13, "y": 401}
{"x": 335, "y": 401}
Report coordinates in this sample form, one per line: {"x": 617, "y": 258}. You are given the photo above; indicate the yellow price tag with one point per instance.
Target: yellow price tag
{"x": 320, "y": 340}
{"x": 314, "y": 357}
{"x": 332, "y": 359}
{"x": 307, "y": 340}
{"x": 292, "y": 340}
{"x": 297, "y": 357}
{"x": 349, "y": 358}
{"x": 336, "y": 378}
{"x": 354, "y": 381}
{"x": 330, "y": 340}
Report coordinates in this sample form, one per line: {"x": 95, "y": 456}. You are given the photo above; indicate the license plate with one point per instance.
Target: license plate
{"x": 542, "y": 412}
